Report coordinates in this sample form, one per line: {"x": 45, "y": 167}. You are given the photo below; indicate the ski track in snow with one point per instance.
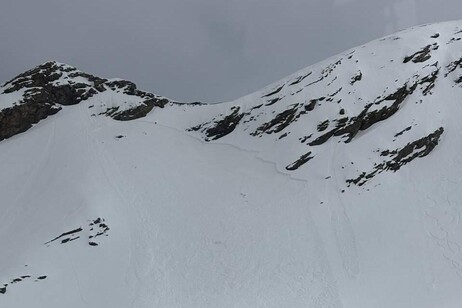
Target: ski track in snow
{"x": 444, "y": 222}
{"x": 341, "y": 224}
{"x": 137, "y": 237}
{"x": 254, "y": 153}
{"x": 328, "y": 294}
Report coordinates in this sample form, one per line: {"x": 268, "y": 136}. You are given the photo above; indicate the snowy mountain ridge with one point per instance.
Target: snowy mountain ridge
{"x": 134, "y": 200}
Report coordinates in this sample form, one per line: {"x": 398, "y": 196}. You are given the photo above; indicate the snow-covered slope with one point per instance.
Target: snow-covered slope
{"x": 338, "y": 186}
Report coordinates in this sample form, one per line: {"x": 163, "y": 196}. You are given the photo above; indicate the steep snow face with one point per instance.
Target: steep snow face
{"x": 411, "y": 79}
{"x": 338, "y": 186}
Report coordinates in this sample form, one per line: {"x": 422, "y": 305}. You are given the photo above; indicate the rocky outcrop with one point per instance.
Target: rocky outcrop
{"x": 300, "y": 162}
{"x": 350, "y": 127}
{"x": 52, "y": 85}
{"x": 139, "y": 111}
{"x": 422, "y": 55}
{"x": 218, "y": 128}
{"x": 224, "y": 126}
{"x": 356, "y": 78}
{"x": 20, "y": 118}
{"x": 400, "y": 157}
{"x": 279, "y": 122}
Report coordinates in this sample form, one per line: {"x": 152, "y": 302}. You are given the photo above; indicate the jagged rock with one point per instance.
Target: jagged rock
{"x": 422, "y": 55}
{"x": 72, "y": 232}
{"x": 400, "y": 157}
{"x": 451, "y": 67}
{"x": 356, "y": 78}
{"x": 351, "y": 126}
{"x": 139, "y": 111}
{"x": 276, "y": 91}
{"x": 300, "y": 79}
{"x": 20, "y": 118}
{"x": 323, "y": 126}
{"x": 300, "y": 162}
{"x": 50, "y": 86}
{"x": 403, "y": 131}
{"x": 281, "y": 121}
{"x": 224, "y": 126}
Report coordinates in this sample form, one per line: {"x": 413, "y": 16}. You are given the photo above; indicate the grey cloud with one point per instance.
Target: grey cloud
{"x": 208, "y": 50}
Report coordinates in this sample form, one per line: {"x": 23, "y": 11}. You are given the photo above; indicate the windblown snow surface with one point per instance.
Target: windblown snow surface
{"x": 338, "y": 186}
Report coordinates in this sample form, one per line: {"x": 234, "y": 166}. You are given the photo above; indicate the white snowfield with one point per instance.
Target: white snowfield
{"x": 259, "y": 202}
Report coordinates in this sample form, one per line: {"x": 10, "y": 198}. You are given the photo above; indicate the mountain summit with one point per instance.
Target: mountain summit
{"x": 338, "y": 186}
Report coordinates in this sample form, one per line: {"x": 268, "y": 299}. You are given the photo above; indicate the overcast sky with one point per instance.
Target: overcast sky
{"x": 199, "y": 50}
